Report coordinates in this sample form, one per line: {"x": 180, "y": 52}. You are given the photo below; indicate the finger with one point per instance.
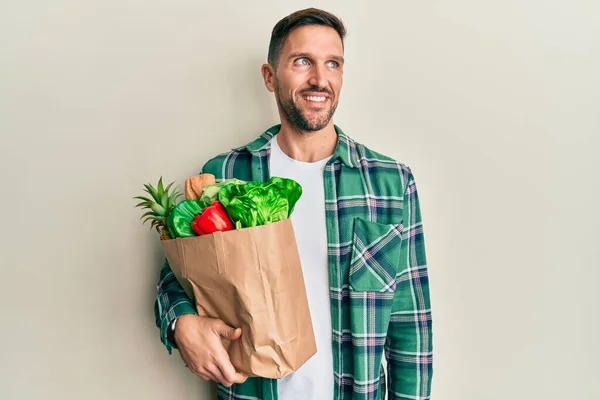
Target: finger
{"x": 201, "y": 372}
{"x": 228, "y": 370}
{"x": 203, "y": 376}
{"x": 237, "y": 332}
{"x": 225, "y": 330}
{"x": 206, "y": 375}
{"x": 216, "y": 372}
{"x": 239, "y": 378}
{"x": 225, "y": 366}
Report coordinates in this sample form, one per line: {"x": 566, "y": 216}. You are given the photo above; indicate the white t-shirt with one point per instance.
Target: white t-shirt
{"x": 314, "y": 379}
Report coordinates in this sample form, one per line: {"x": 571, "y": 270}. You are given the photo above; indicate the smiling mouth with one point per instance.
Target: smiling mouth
{"x": 315, "y": 99}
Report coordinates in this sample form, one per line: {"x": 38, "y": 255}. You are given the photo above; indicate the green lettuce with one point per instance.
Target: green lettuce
{"x": 260, "y": 203}
{"x": 210, "y": 192}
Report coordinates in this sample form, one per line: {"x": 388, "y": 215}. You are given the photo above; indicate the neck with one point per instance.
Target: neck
{"x": 307, "y": 146}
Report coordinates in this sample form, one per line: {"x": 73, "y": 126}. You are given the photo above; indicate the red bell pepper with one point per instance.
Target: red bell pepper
{"x": 213, "y": 218}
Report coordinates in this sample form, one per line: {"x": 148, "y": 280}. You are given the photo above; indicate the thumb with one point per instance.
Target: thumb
{"x": 227, "y": 331}
{"x": 237, "y": 332}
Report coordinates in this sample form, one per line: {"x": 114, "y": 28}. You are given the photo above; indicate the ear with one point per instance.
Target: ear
{"x": 268, "y": 73}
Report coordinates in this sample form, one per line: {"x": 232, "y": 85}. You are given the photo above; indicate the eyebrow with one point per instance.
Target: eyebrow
{"x": 339, "y": 59}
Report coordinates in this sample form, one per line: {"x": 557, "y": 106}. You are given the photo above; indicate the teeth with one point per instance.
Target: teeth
{"x": 315, "y": 98}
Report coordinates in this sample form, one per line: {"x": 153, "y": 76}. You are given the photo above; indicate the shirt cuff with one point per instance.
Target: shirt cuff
{"x": 167, "y": 323}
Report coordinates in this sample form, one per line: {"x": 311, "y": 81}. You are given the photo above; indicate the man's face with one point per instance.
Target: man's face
{"x": 308, "y": 78}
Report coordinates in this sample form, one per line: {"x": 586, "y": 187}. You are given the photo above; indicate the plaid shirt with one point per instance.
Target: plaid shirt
{"x": 379, "y": 292}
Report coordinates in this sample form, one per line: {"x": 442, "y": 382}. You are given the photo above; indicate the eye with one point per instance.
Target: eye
{"x": 333, "y": 64}
{"x": 302, "y": 61}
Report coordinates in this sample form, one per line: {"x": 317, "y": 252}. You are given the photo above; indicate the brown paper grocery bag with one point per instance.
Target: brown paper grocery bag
{"x": 250, "y": 278}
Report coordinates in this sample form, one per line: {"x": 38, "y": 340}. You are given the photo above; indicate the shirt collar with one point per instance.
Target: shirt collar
{"x": 345, "y": 149}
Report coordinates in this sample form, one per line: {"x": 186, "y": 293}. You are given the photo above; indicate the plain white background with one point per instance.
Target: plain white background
{"x": 493, "y": 104}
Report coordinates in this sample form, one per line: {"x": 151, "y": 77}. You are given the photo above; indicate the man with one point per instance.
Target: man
{"x": 359, "y": 234}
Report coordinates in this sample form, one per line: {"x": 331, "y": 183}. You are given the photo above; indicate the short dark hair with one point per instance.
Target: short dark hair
{"x": 309, "y": 16}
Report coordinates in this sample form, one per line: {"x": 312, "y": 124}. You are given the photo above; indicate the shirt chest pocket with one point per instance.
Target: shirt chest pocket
{"x": 375, "y": 256}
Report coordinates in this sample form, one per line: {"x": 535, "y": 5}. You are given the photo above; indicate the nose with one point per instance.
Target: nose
{"x": 318, "y": 77}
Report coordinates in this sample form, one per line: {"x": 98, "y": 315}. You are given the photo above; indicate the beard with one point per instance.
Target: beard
{"x": 299, "y": 119}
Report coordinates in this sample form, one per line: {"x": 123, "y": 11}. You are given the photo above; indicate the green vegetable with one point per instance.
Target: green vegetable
{"x": 210, "y": 192}
{"x": 291, "y": 189}
{"x": 231, "y": 191}
{"x": 179, "y": 220}
{"x": 260, "y": 203}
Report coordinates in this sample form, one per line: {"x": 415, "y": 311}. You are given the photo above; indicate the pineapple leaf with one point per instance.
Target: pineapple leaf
{"x": 152, "y": 192}
{"x": 154, "y": 220}
{"x": 172, "y": 198}
{"x": 161, "y": 188}
{"x": 164, "y": 201}
{"x": 146, "y": 204}
{"x": 147, "y": 214}
{"x": 168, "y": 187}
{"x": 155, "y": 224}
{"x": 143, "y": 198}
{"x": 158, "y": 209}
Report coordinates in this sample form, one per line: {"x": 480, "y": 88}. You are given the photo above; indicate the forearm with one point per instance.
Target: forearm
{"x": 171, "y": 302}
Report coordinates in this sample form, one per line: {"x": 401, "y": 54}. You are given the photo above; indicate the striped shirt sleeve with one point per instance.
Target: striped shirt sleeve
{"x": 408, "y": 347}
{"x": 171, "y": 302}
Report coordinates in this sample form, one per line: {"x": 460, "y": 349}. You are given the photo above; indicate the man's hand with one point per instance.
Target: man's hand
{"x": 199, "y": 342}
